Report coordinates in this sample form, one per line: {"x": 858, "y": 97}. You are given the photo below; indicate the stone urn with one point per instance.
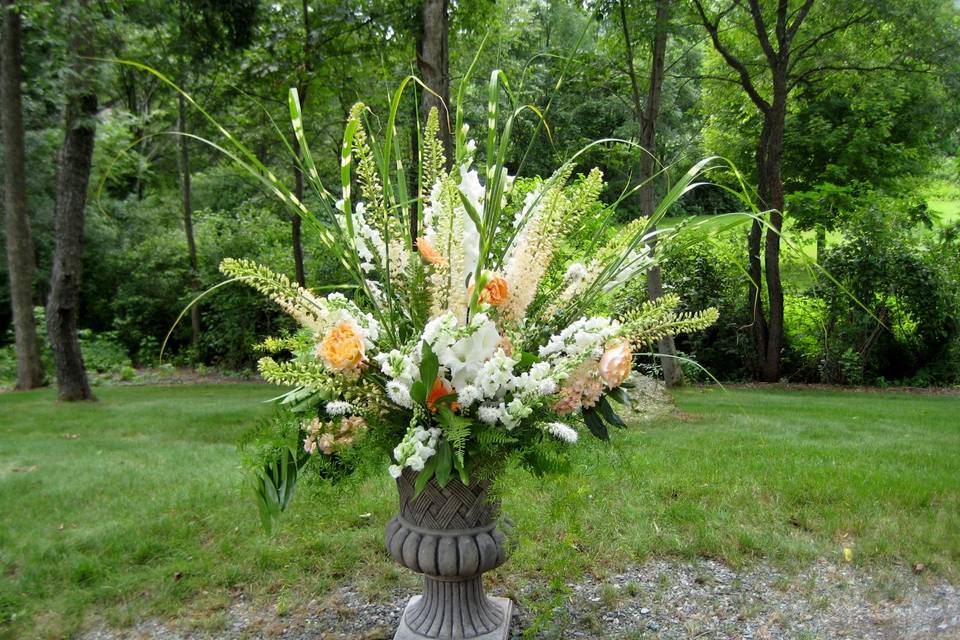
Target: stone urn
{"x": 450, "y": 535}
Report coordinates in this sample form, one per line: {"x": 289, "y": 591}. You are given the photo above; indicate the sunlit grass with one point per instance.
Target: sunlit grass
{"x": 136, "y": 507}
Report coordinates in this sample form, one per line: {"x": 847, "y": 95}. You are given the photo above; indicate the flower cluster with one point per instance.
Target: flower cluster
{"x": 481, "y": 335}
{"x": 328, "y": 436}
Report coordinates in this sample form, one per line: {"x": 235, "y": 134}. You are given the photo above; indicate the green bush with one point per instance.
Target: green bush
{"x": 908, "y": 280}
{"x": 103, "y": 352}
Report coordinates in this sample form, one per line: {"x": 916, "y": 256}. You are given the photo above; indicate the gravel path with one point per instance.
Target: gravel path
{"x": 659, "y": 599}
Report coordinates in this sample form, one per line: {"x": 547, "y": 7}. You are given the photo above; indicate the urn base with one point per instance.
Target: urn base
{"x": 504, "y": 607}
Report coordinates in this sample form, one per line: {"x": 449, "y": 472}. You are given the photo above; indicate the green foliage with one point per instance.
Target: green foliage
{"x": 908, "y": 281}
{"x": 103, "y": 352}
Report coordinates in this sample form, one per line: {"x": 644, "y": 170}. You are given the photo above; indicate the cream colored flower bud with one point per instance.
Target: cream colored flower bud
{"x": 615, "y": 364}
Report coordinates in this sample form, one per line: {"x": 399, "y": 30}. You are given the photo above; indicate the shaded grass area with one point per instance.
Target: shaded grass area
{"x": 135, "y": 507}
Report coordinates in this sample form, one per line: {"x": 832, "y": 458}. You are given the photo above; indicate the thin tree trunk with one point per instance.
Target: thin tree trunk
{"x": 21, "y": 263}
{"x": 296, "y": 223}
{"x": 184, "y": 165}
{"x": 433, "y": 61}
{"x": 72, "y": 181}
{"x": 672, "y": 373}
{"x": 821, "y": 232}
{"x": 772, "y": 194}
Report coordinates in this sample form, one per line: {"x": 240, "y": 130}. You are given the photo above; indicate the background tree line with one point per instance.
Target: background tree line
{"x": 842, "y": 115}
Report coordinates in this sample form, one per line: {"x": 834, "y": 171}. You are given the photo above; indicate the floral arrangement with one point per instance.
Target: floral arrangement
{"x": 473, "y": 341}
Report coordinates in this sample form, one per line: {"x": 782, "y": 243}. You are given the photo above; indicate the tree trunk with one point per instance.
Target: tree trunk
{"x": 672, "y": 373}
{"x": 184, "y": 166}
{"x": 296, "y": 223}
{"x": 433, "y": 61}
{"x": 20, "y": 255}
{"x": 770, "y": 183}
{"x": 821, "y": 232}
{"x": 72, "y": 181}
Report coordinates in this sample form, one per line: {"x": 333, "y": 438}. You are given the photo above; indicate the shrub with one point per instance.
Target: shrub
{"x": 103, "y": 352}
{"x": 907, "y": 278}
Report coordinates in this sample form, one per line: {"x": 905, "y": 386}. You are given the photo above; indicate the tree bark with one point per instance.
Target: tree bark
{"x": 647, "y": 116}
{"x": 72, "y": 181}
{"x": 21, "y": 263}
{"x": 184, "y": 166}
{"x": 771, "y": 194}
{"x": 433, "y": 60}
{"x": 296, "y": 223}
{"x": 767, "y": 333}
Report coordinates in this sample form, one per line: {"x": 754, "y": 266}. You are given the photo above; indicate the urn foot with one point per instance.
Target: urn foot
{"x": 423, "y": 620}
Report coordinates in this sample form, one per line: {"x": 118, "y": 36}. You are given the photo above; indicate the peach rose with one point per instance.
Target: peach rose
{"x": 343, "y": 348}
{"x": 495, "y": 292}
{"x": 430, "y": 253}
{"x": 615, "y": 364}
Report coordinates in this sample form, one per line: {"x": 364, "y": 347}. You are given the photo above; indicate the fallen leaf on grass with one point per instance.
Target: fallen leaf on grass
{"x": 71, "y": 436}
{"x": 24, "y": 469}
{"x": 848, "y": 554}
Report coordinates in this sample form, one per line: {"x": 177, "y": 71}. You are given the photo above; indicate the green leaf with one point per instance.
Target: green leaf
{"x": 609, "y": 414}
{"x": 526, "y": 360}
{"x": 424, "y": 476}
{"x": 429, "y": 367}
{"x": 595, "y": 424}
{"x": 470, "y": 209}
{"x": 418, "y": 392}
{"x": 444, "y": 463}
{"x": 619, "y": 395}
{"x": 461, "y": 469}
{"x": 274, "y": 486}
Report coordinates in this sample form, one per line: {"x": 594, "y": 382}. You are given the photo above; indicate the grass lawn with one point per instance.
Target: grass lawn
{"x": 135, "y": 506}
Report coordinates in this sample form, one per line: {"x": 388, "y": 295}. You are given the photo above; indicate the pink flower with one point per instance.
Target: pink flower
{"x": 310, "y": 445}
{"x": 352, "y": 424}
{"x": 615, "y": 364}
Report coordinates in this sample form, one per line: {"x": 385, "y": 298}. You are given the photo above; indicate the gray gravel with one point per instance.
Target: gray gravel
{"x": 658, "y": 599}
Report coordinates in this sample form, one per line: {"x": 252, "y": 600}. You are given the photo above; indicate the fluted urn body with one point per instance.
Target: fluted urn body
{"x": 451, "y": 536}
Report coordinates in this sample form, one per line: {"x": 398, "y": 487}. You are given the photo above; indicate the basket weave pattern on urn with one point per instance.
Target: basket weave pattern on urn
{"x": 450, "y": 535}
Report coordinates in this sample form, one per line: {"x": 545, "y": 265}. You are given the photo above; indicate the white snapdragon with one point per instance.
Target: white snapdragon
{"x": 417, "y": 446}
{"x": 585, "y": 336}
{"x": 472, "y": 189}
{"x": 495, "y": 375}
{"x": 367, "y": 241}
{"x": 402, "y": 365}
{"x": 536, "y": 381}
